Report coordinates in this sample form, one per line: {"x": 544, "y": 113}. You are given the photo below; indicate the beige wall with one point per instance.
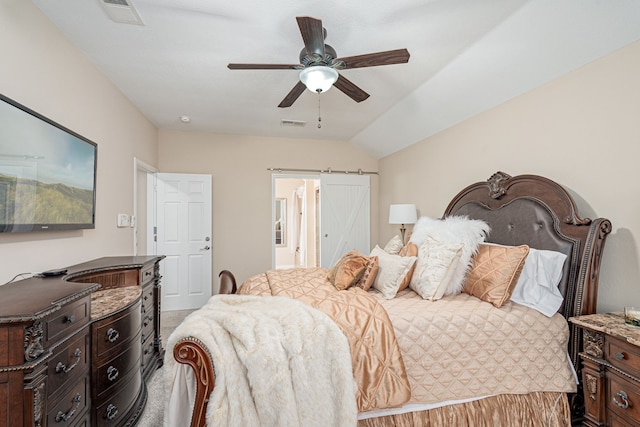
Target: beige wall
{"x": 581, "y": 130}
{"x": 43, "y": 71}
{"x": 242, "y": 186}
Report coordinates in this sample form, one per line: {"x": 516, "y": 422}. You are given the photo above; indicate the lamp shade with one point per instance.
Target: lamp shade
{"x": 318, "y": 78}
{"x": 402, "y": 214}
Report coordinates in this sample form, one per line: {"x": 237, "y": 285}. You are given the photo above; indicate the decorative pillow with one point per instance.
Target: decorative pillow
{"x": 392, "y": 271}
{"x": 369, "y": 275}
{"x": 394, "y": 245}
{"x": 410, "y": 249}
{"x": 348, "y": 270}
{"x": 435, "y": 267}
{"x": 453, "y": 229}
{"x": 537, "y": 286}
{"x": 495, "y": 272}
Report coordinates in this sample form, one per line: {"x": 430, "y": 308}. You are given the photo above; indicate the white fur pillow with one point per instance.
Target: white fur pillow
{"x": 453, "y": 229}
{"x": 435, "y": 268}
{"x": 392, "y": 270}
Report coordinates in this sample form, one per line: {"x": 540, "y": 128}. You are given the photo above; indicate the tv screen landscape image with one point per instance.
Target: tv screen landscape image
{"x": 47, "y": 173}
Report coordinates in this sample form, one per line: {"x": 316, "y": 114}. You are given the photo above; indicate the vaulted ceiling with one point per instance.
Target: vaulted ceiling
{"x": 466, "y": 56}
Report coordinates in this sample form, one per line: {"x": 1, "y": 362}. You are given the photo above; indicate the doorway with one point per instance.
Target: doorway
{"x": 318, "y": 218}
{"x": 180, "y": 229}
{"x": 296, "y": 221}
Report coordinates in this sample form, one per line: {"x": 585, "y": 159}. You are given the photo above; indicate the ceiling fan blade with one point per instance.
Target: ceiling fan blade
{"x": 293, "y": 95}
{"x": 388, "y": 57}
{"x": 350, "y": 89}
{"x": 264, "y": 66}
{"x": 312, "y": 35}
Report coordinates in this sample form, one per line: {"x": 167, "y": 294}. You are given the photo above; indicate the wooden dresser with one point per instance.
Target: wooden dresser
{"x": 610, "y": 370}
{"x": 45, "y": 352}
{"x": 76, "y": 350}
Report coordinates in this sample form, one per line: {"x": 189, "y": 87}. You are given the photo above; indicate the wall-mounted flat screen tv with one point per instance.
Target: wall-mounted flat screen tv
{"x": 47, "y": 173}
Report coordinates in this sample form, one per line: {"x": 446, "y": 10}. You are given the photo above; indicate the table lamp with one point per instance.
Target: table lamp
{"x": 402, "y": 214}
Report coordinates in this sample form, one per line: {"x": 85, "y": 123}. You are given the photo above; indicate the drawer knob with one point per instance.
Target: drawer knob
{"x": 147, "y": 320}
{"x": 624, "y": 404}
{"x": 66, "y": 416}
{"x": 620, "y": 355}
{"x": 61, "y": 367}
{"x": 112, "y": 373}
{"x": 112, "y": 411}
{"x": 112, "y": 335}
{"x": 70, "y": 319}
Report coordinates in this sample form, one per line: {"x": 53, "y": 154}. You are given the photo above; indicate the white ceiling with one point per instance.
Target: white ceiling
{"x": 466, "y": 56}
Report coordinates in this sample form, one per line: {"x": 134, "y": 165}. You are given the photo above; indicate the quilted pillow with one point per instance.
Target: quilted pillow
{"x": 435, "y": 267}
{"x": 348, "y": 270}
{"x": 495, "y": 272}
{"x": 453, "y": 229}
{"x": 392, "y": 271}
{"x": 369, "y": 275}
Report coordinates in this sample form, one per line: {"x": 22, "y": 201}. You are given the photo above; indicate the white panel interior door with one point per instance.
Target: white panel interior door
{"x": 184, "y": 236}
{"x": 345, "y": 216}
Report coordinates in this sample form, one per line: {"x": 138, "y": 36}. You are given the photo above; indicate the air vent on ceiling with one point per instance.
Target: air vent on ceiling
{"x": 121, "y": 11}
{"x": 296, "y": 123}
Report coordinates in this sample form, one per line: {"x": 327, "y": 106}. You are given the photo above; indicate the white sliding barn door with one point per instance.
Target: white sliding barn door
{"x": 183, "y": 213}
{"x": 345, "y": 216}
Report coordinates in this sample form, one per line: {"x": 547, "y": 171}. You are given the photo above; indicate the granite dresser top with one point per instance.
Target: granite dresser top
{"x": 610, "y": 323}
{"x": 109, "y": 301}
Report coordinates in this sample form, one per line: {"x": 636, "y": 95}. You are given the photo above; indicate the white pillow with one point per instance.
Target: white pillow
{"x": 537, "y": 286}
{"x": 435, "y": 268}
{"x": 392, "y": 269}
{"x": 453, "y": 229}
{"x": 394, "y": 245}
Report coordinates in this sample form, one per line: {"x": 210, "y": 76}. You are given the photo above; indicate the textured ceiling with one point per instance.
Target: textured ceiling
{"x": 466, "y": 56}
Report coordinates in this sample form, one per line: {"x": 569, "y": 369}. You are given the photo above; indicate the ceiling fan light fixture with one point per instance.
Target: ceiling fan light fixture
{"x": 318, "y": 78}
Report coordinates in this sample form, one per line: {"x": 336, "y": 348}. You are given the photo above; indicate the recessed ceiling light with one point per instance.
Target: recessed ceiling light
{"x": 185, "y": 119}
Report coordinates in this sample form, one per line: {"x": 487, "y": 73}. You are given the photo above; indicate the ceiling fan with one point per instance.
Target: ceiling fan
{"x": 319, "y": 64}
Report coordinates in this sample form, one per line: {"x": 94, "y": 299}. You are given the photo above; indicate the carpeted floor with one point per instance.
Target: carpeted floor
{"x": 153, "y": 414}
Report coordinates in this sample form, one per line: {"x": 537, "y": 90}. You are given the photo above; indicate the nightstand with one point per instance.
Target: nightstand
{"x": 610, "y": 370}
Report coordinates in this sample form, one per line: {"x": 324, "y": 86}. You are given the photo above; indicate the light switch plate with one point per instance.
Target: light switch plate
{"x": 123, "y": 220}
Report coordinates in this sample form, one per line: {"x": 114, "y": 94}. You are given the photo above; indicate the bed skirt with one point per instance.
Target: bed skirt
{"x": 507, "y": 410}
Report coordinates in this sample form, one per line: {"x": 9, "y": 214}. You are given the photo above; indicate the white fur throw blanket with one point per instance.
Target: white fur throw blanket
{"x": 277, "y": 362}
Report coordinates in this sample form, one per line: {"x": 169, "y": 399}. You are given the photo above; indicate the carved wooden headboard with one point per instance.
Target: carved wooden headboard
{"x": 533, "y": 210}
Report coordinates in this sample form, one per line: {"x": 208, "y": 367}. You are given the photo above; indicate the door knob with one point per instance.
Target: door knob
{"x": 206, "y": 248}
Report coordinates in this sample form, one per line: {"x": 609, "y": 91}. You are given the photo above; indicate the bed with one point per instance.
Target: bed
{"x": 502, "y": 382}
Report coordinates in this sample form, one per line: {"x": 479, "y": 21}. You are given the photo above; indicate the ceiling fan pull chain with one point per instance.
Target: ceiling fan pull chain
{"x": 319, "y": 119}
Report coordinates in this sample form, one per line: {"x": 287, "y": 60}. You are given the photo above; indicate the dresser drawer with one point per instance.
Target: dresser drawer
{"x": 70, "y": 408}
{"x": 116, "y": 330}
{"x": 147, "y": 274}
{"x": 147, "y": 351}
{"x": 113, "y": 371}
{"x": 623, "y": 356}
{"x": 147, "y": 298}
{"x": 111, "y": 410}
{"x": 67, "y": 320}
{"x": 68, "y": 362}
{"x": 624, "y": 396}
{"x": 615, "y": 421}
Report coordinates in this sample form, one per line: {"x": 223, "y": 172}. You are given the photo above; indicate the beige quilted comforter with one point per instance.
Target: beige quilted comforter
{"x": 461, "y": 347}
{"x": 458, "y": 347}
{"x": 378, "y": 368}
